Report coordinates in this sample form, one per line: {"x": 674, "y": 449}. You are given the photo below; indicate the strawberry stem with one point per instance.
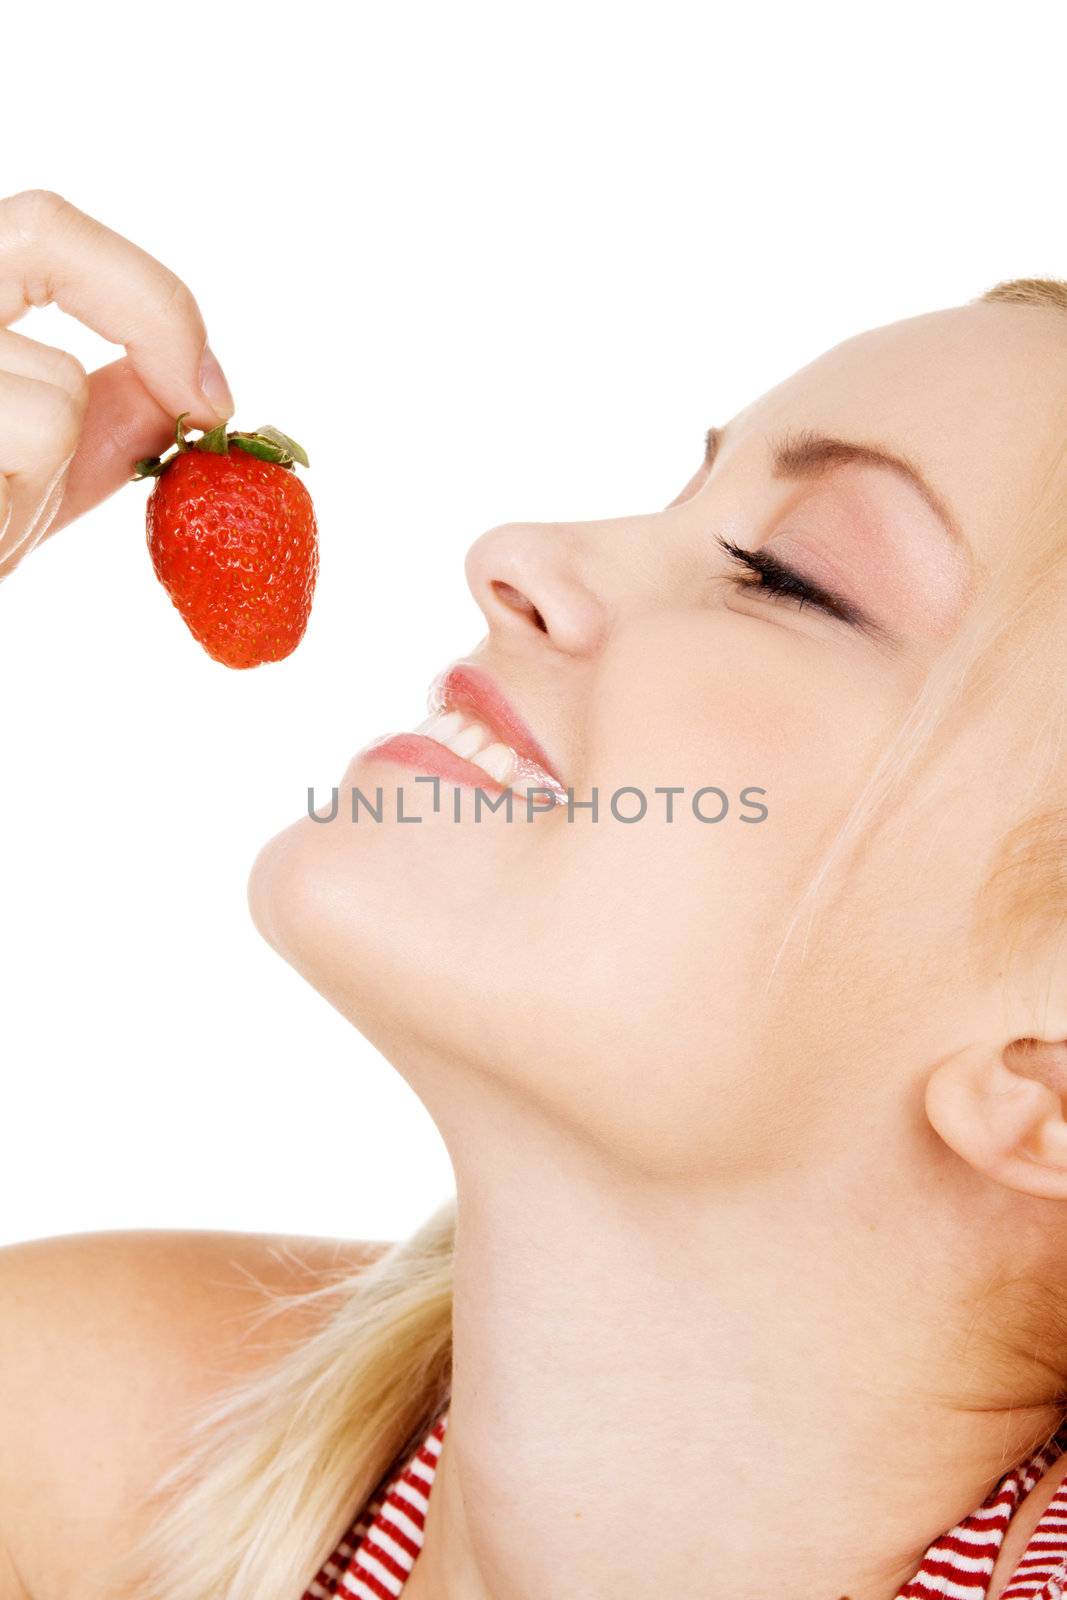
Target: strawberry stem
{"x": 214, "y": 442}
{"x": 267, "y": 443}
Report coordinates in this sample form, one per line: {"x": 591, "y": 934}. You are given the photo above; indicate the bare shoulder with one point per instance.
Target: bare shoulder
{"x": 106, "y": 1337}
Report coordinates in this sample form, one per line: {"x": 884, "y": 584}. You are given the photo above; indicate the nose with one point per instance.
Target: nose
{"x": 527, "y": 579}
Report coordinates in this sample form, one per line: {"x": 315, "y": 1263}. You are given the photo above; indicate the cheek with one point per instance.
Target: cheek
{"x": 663, "y": 933}
{"x": 725, "y": 700}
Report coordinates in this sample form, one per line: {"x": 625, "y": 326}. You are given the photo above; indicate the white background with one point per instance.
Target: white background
{"x": 487, "y": 262}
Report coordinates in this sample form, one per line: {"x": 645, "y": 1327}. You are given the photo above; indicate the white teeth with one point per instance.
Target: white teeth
{"x": 475, "y": 742}
{"x": 442, "y": 725}
{"x": 470, "y": 739}
{"x": 498, "y": 761}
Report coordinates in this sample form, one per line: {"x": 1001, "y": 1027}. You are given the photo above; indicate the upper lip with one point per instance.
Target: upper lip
{"x": 462, "y": 687}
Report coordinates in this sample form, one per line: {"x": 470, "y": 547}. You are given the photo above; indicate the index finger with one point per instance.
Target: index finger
{"x": 51, "y": 251}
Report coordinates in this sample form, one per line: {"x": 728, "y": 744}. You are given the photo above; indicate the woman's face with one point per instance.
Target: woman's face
{"x": 613, "y": 971}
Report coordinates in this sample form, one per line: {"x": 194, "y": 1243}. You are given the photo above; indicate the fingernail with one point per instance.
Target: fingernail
{"x": 213, "y": 385}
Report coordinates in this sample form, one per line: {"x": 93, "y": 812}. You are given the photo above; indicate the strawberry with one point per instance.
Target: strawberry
{"x": 232, "y": 535}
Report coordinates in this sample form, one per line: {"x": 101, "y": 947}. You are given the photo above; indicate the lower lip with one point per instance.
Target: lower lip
{"x": 428, "y": 757}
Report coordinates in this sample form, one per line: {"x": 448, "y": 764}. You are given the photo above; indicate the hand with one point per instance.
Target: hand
{"x": 69, "y": 438}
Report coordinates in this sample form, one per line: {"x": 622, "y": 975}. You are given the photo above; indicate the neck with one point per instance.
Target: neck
{"x": 677, "y": 1390}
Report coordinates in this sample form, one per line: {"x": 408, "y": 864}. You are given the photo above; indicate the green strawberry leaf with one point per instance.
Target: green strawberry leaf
{"x": 290, "y": 446}
{"x": 214, "y": 442}
{"x": 268, "y": 444}
{"x": 263, "y": 448}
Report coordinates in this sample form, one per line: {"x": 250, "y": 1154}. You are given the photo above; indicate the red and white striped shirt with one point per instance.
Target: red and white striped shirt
{"x": 376, "y": 1555}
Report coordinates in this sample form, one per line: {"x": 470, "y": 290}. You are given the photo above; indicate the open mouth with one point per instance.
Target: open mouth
{"x": 465, "y": 736}
{"x": 474, "y": 737}
{"x": 470, "y": 716}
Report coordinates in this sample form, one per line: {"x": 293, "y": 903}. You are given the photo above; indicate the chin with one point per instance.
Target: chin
{"x": 305, "y": 911}
{"x": 354, "y": 922}
{"x": 270, "y": 882}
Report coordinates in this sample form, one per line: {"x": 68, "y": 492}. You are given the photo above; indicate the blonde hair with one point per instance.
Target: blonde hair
{"x": 272, "y": 1471}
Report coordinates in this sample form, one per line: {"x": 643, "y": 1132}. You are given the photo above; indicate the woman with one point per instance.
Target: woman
{"x": 751, "y": 1078}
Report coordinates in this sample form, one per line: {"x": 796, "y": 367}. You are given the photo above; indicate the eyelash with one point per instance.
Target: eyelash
{"x": 774, "y": 578}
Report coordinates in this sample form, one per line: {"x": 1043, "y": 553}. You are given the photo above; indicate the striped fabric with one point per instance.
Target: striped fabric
{"x": 958, "y": 1566}
{"x": 376, "y": 1555}
{"x": 1042, "y": 1572}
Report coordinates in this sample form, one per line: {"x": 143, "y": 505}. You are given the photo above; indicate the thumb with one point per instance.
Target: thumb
{"x": 122, "y": 424}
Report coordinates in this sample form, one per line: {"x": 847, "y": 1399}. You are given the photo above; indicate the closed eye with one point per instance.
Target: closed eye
{"x": 766, "y": 573}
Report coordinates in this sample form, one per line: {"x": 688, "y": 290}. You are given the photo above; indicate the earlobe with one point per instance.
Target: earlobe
{"x": 1001, "y": 1108}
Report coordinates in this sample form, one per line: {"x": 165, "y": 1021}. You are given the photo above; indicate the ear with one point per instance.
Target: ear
{"x": 1001, "y": 1108}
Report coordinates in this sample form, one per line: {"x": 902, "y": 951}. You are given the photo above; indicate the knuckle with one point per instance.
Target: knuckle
{"x": 176, "y": 300}
{"x": 34, "y": 210}
{"x": 70, "y": 375}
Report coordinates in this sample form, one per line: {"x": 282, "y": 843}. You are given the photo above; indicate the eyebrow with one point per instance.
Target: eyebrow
{"x": 804, "y": 453}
